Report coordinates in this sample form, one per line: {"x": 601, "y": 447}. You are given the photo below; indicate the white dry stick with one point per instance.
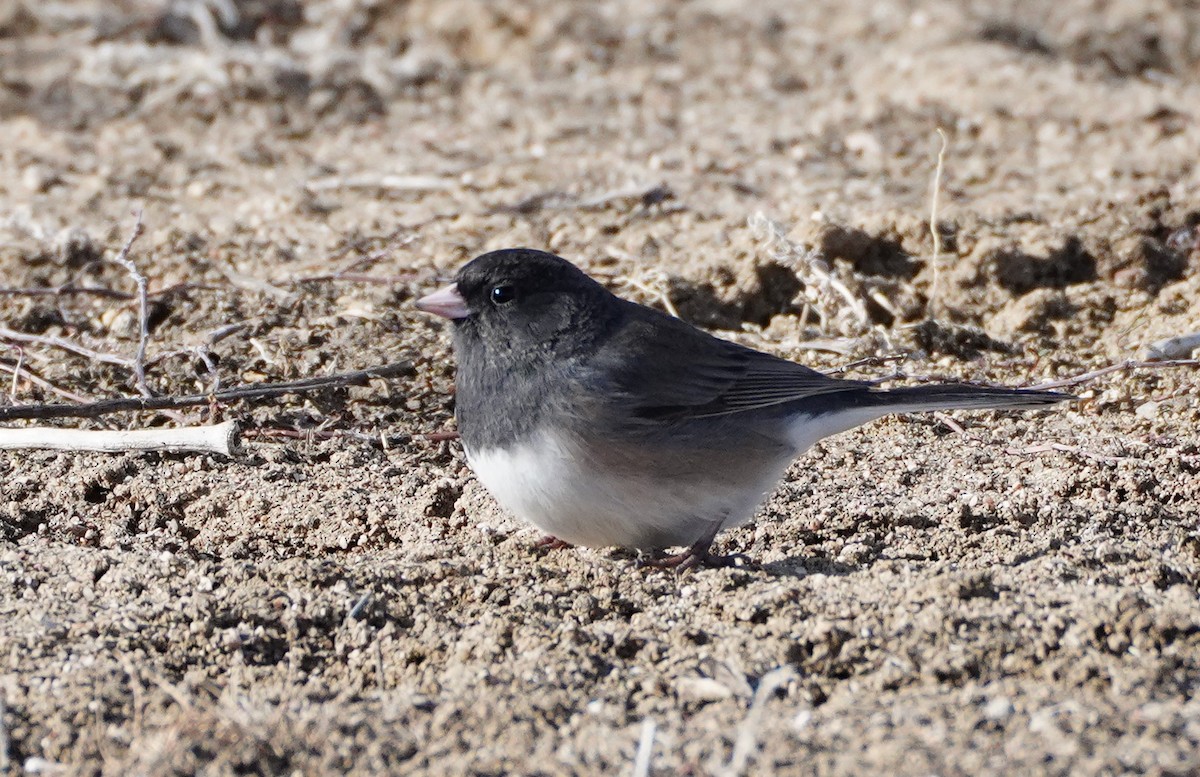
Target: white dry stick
{"x": 936, "y": 259}
{"x": 645, "y": 751}
{"x": 747, "y": 737}
{"x": 139, "y": 361}
{"x": 1174, "y": 347}
{"x": 222, "y": 439}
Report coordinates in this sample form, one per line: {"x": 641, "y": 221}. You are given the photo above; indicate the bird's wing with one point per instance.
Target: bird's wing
{"x": 669, "y": 369}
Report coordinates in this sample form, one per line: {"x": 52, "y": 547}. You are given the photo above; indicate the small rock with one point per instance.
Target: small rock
{"x": 854, "y": 553}
{"x": 1147, "y": 410}
{"x": 999, "y": 709}
{"x": 1031, "y": 312}
{"x": 704, "y": 689}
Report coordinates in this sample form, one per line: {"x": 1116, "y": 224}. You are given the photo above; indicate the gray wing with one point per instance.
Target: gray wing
{"x": 670, "y": 370}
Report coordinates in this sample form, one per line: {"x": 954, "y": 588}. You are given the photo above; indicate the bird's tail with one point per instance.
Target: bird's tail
{"x": 857, "y": 406}
{"x": 958, "y": 396}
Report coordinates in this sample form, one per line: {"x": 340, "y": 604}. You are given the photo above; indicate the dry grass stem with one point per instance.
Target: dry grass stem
{"x": 653, "y": 283}
{"x": 16, "y": 373}
{"x": 839, "y": 309}
{"x": 935, "y": 261}
{"x": 747, "y": 736}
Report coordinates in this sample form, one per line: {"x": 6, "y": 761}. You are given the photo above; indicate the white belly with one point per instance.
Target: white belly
{"x": 548, "y": 482}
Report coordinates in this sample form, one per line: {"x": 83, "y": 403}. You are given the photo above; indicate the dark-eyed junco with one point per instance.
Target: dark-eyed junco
{"x": 604, "y": 422}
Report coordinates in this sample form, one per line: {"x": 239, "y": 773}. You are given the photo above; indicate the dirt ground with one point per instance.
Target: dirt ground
{"x": 1018, "y": 595}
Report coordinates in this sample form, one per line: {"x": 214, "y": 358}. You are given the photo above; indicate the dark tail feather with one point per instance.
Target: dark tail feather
{"x": 857, "y": 406}
{"x": 960, "y": 396}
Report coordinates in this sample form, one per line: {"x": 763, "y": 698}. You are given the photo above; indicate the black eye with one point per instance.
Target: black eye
{"x": 502, "y": 295}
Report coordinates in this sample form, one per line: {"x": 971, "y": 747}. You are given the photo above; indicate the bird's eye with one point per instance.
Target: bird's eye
{"x": 502, "y": 295}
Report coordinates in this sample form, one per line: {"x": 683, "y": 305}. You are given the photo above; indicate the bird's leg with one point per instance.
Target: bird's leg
{"x": 550, "y": 542}
{"x": 698, "y": 555}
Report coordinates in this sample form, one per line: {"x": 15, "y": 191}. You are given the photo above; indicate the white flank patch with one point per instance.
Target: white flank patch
{"x": 804, "y": 431}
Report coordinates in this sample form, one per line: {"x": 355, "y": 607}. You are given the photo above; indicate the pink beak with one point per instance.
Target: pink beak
{"x": 445, "y": 302}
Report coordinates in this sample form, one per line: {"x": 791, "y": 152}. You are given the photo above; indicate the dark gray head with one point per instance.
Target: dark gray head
{"x": 519, "y": 301}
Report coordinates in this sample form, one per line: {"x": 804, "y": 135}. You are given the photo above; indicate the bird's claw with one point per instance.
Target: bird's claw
{"x": 695, "y": 557}
{"x": 550, "y": 542}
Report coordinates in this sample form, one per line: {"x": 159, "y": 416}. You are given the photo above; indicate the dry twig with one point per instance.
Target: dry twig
{"x": 253, "y": 391}
{"x": 40, "y": 382}
{"x": 1127, "y": 365}
{"x": 253, "y": 284}
{"x": 647, "y": 195}
{"x": 872, "y": 361}
{"x": 65, "y": 345}
{"x": 66, "y": 290}
{"x": 349, "y": 277}
{"x": 354, "y": 271}
{"x": 122, "y": 258}
{"x": 183, "y": 286}
{"x": 1061, "y": 448}
{"x": 953, "y": 425}
{"x": 449, "y": 434}
{"x": 308, "y": 435}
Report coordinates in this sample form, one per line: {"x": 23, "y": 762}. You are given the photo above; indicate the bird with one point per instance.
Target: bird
{"x": 604, "y": 422}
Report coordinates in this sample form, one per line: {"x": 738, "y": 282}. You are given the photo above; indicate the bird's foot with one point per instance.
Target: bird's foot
{"x": 697, "y": 555}
{"x": 550, "y": 542}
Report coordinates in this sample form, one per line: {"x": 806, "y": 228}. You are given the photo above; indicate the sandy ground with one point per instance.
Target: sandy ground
{"x": 1018, "y": 596}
